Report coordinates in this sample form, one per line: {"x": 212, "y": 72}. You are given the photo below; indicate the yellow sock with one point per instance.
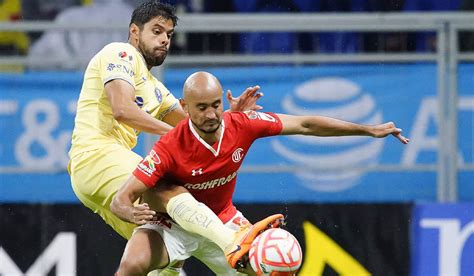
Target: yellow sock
{"x": 196, "y": 217}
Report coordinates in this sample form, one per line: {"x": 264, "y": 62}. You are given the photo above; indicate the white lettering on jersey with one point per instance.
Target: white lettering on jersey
{"x": 252, "y": 115}
{"x": 211, "y": 183}
{"x": 145, "y": 169}
{"x": 265, "y": 117}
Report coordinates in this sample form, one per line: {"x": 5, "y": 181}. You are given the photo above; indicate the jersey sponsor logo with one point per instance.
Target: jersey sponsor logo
{"x": 159, "y": 97}
{"x": 253, "y": 115}
{"x": 237, "y": 155}
{"x": 240, "y": 221}
{"x": 120, "y": 68}
{"x": 155, "y": 159}
{"x": 196, "y": 172}
{"x": 266, "y": 117}
{"x": 122, "y": 54}
{"x": 211, "y": 183}
{"x": 125, "y": 57}
{"x": 110, "y": 66}
{"x": 145, "y": 169}
{"x": 147, "y": 166}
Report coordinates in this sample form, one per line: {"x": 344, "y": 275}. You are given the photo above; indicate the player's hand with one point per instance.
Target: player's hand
{"x": 141, "y": 214}
{"x": 383, "y": 130}
{"x": 246, "y": 101}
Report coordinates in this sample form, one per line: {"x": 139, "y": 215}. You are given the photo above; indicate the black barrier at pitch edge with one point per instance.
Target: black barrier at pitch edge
{"x": 376, "y": 236}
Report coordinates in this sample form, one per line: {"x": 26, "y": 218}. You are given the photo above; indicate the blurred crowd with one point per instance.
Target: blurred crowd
{"x": 71, "y": 43}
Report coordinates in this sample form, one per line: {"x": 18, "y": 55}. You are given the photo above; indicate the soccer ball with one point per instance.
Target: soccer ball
{"x": 275, "y": 252}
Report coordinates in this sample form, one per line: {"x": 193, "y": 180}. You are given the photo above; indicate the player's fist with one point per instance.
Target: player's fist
{"x": 141, "y": 214}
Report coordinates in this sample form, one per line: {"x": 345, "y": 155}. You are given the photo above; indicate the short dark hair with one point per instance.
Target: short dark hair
{"x": 150, "y": 9}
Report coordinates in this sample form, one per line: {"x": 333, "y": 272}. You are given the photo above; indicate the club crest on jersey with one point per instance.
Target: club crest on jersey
{"x": 158, "y": 95}
{"x": 196, "y": 172}
{"x": 139, "y": 101}
{"x": 237, "y": 155}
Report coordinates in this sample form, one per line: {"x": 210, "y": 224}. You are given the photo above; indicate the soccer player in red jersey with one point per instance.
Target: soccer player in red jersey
{"x": 119, "y": 99}
{"x": 203, "y": 154}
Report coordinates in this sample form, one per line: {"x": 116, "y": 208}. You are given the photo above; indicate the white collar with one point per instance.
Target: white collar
{"x": 209, "y": 147}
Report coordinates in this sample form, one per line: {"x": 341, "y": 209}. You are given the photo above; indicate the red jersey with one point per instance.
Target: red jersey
{"x": 208, "y": 172}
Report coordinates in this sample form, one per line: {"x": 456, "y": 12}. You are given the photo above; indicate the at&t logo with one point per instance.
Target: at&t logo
{"x": 335, "y": 159}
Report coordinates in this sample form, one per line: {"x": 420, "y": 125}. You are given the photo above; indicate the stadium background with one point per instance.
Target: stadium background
{"x": 358, "y": 206}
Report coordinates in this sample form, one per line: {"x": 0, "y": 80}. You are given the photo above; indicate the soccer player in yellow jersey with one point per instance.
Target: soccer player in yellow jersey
{"x": 119, "y": 99}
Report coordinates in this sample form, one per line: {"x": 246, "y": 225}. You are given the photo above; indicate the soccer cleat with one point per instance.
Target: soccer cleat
{"x": 244, "y": 238}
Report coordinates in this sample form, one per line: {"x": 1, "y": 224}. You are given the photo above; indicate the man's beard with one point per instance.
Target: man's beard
{"x": 155, "y": 60}
{"x": 207, "y": 131}
{"x": 150, "y": 59}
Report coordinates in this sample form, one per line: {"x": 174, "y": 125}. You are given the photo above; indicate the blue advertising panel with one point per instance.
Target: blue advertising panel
{"x": 405, "y": 94}
{"x": 466, "y": 131}
{"x": 37, "y": 113}
{"x": 443, "y": 239}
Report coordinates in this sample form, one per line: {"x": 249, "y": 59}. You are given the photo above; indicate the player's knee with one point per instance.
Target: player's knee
{"x": 167, "y": 191}
{"x": 159, "y": 196}
{"x": 133, "y": 266}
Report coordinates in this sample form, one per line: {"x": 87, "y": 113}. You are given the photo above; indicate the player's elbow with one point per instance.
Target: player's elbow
{"x": 306, "y": 128}
{"x": 120, "y": 114}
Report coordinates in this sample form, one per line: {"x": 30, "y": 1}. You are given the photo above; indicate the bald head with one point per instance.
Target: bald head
{"x": 201, "y": 85}
{"x": 202, "y": 101}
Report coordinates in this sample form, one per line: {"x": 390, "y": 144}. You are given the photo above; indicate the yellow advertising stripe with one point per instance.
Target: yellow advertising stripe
{"x": 322, "y": 250}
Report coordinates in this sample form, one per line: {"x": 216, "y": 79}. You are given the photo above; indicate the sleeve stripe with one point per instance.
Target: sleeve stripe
{"x": 168, "y": 110}
{"x": 111, "y": 78}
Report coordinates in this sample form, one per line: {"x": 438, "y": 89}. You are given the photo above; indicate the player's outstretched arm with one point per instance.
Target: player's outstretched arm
{"x": 122, "y": 203}
{"x": 326, "y": 126}
{"x": 246, "y": 101}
